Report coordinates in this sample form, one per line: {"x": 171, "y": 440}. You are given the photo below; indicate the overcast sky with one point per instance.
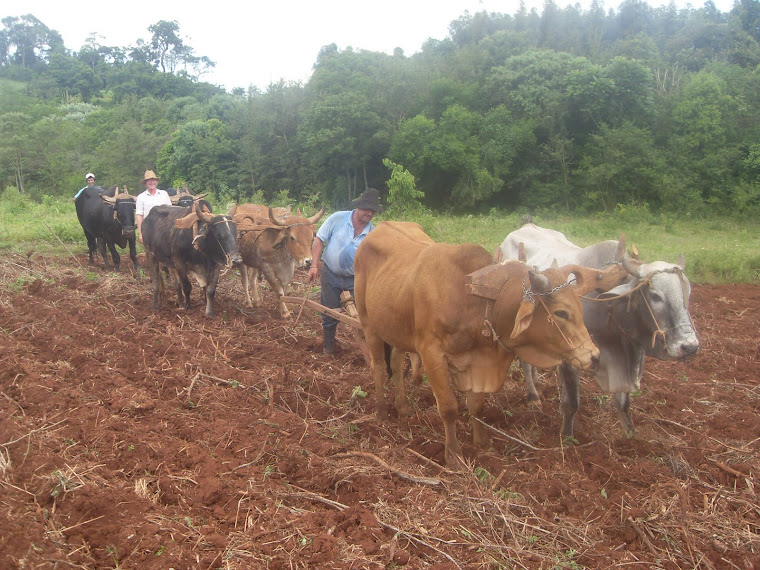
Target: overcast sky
{"x": 257, "y": 43}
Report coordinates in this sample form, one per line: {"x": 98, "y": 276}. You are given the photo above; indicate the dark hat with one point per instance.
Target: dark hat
{"x": 369, "y": 200}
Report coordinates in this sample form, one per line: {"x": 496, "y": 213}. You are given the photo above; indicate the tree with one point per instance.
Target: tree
{"x": 200, "y": 153}
{"x": 166, "y": 44}
{"x": 14, "y": 148}
{"x": 73, "y": 77}
{"x": 26, "y": 41}
{"x": 403, "y": 197}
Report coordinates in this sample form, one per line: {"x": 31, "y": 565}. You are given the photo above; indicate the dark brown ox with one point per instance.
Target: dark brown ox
{"x": 273, "y": 247}
{"x": 188, "y": 241}
{"x": 411, "y": 294}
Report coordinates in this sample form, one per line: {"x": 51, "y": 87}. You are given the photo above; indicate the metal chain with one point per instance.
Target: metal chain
{"x": 529, "y": 294}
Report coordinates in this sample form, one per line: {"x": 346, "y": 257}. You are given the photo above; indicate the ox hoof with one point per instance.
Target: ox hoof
{"x": 404, "y": 411}
{"x": 456, "y": 462}
{"x": 382, "y": 413}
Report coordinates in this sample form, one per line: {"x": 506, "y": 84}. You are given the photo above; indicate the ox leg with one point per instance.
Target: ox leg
{"x": 438, "y": 375}
{"x": 210, "y": 289}
{"x": 244, "y": 279}
{"x": 529, "y": 373}
{"x": 416, "y": 363}
{"x": 133, "y": 256}
{"x": 397, "y": 366}
{"x": 378, "y": 371}
{"x": 101, "y": 243}
{"x": 570, "y": 398}
{"x": 623, "y": 405}
{"x": 475, "y": 407}
{"x": 278, "y": 290}
{"x": 155, "y": 276}
{"x": 184, "y": 287}
{"x": 116, "y": 257}
{"x": 91, "y": 245}
{"x": 253, "y": 278}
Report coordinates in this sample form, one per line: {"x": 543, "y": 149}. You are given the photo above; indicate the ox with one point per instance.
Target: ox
{"x": 274, "y": 250}
{"x": 259, "y": 214}
{"x": 107, "y": 221}
{"x": 411, "y": 295}
{"x": 647, "y": 314}
{"x": 190, "y": 242}
{"x": 185, "y": 197}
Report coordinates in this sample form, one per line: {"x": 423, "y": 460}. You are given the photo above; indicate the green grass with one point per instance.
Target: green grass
{"x": 717, "y": 250}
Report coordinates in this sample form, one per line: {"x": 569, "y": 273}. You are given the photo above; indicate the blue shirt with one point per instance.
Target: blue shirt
{"x": 338, "y": 233}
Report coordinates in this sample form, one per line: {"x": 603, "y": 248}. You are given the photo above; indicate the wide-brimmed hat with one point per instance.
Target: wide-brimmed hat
{"x": 369, "y": 200}
{"x": 89, "y": 175}
{"x": 148, "y": 175}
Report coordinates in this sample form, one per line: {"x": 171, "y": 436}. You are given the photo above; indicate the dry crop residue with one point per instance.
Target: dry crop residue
{"x": 139, "y": 439}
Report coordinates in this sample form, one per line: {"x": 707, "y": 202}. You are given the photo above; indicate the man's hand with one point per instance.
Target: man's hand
{"x": 313, "y": 273}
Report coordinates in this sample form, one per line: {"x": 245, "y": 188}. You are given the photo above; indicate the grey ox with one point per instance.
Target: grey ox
{"x": 647, "y": 314}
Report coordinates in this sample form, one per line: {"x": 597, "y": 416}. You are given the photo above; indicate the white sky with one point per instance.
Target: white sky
{"x": 257, "y": 43}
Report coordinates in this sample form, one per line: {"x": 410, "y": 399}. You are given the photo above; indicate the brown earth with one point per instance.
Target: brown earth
{"x": 139, "y": 439}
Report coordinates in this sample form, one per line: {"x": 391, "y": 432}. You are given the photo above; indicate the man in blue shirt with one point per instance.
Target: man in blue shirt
{"x": 342, "y": 232}
{"x": 90, "y": 178}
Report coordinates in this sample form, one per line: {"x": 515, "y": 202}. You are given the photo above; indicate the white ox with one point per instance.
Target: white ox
{"x": 648, "y": 314}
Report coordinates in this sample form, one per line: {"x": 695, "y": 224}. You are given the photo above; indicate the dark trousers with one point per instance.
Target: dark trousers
{"x": 332, "y": 286}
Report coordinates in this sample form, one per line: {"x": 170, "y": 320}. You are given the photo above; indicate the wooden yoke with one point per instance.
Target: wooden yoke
{"x": 486, "y": 282}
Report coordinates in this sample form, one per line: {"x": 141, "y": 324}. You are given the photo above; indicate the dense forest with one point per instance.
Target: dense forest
{"x": 561, "y": 109}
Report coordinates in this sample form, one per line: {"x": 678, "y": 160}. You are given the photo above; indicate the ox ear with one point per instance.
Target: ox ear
{"x": 587, "y": 279}
{"x": 282, "y": 238}
{"x": 523, "y": 319}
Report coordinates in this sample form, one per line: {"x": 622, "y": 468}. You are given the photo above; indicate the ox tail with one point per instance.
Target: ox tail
{"x": 388, "y": 350}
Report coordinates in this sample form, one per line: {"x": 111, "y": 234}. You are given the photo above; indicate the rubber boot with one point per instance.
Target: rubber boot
{"x": 328, "y": 345}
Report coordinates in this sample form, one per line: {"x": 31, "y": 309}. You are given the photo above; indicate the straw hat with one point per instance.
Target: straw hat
{"x": 148, "y": 175}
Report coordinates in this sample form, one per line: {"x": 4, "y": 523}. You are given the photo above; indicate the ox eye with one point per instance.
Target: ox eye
{"x": 656, "y": 297}
{"x": 564, "y": 315}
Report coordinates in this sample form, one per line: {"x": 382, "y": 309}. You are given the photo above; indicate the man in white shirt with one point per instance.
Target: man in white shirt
{"x": 148, "y": 199}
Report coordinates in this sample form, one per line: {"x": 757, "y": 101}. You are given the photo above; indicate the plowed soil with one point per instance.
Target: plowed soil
{"x": 138, "y": 439}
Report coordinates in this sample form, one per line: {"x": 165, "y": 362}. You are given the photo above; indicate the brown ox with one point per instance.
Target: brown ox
{"x": 411, "y": 294}
{"x": 259, "y": 214}
{"x": 273, "y": 248}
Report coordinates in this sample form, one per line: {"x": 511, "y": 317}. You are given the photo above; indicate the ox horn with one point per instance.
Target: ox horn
{"x": 316, "y": 217}
{"x": 538, "y": 281}
{"x": 632, "y": 267}
{"x": 274, "y": 220}
{"x": 110, "y": 199}
{"x": 203, "y": 216}
{"x": 233, "y": 210}
{"x": 620, "y": 251}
